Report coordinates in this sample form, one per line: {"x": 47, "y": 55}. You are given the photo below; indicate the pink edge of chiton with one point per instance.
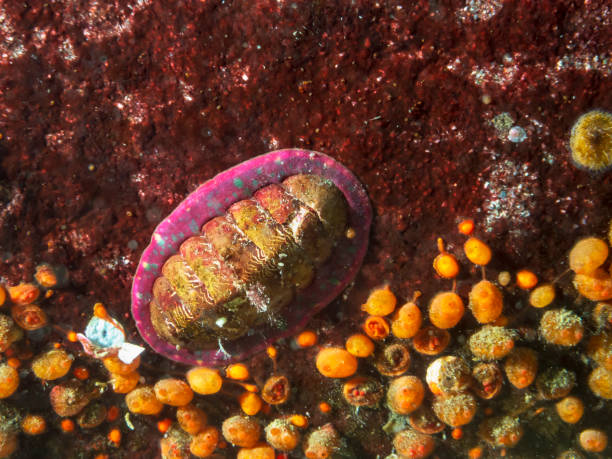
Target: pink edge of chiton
{"x": 212, "y": 199}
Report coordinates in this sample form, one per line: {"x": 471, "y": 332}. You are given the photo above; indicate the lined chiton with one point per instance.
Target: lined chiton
{"x": 250, "y": 257}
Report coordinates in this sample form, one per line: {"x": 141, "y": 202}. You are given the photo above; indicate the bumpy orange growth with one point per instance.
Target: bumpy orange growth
{"x": 33, "y": 424}
{"x": 191, "y": 419}
{"x": 381, "y": 302}
{"x": 307, "y": 338}
{"x": 237, "y": 371}
{"x": 204, "y": 381}
{"x": 405, "y": 394}
{"x": 335, "y": 362}
{"x": 491, "y": 343}
{"x": 455, "y": 410}
{"x": 376, "y": 327}
{"x": 9, "y": 380}
{"x": 23, "y": 293}
{"x": 142, "y": 400}
{"x": 542, "y": 296}
{"x": 250, "y": 403}
{"x": 521, "y": 367}
{"x": 561, "y": 327}
{"x": 116, "y": 366}
{"x": 241, "y": 431}
{"x": 526, "y": 279}
{"x": 570, "y": 409}
{"x": 486, "y": 302}
{"x": 446, "y": 310}
{"x": 477, "y": 251}
{"x": 413, "y": 445}
{"x": 596, "y": 287}
{"x": 593, "y": 440}
{"x": 445, "y": 263}
{"x": 122, "y": 384}
{"x": 173, "y": 392}
{"x": 600, "y": 382}
{"x": 406, "y": 321}
{"x": 261, "y": 451}
{"x": 587, "y": 255}
{"x": 52, "y": 364}
{"x": 204, "y": 443}
{"x": 359, "y": 345}
{"x": 282, "y": 435}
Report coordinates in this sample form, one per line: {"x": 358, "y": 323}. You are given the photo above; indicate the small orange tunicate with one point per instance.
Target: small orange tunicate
{"x": 259, "y": 451}
{"x": 466, "y": 226}
{"x": 405, "y": 394}
{"x": 526, "y": 279}
{"x": 322, "y": 442}
{"x": 241, "y": 431}
{"x": 114, "y": 365}
{"x": 501, "y": 431}
{"x": 561, "y": 327}
{"x": 542, "y": 296}
{"x": 446, "y": 310}
{"x": 359, "y": 345}
{"x": 122, "y": 384}
{"x": 477, "y": 251}
{"x": 9, "y": 380}
{"x": 600, "y": 382}
{"x": 191, "y": 419}
{"x": 593, "y": 440}
{"x": 599, "y": 348}
{"x": 406, "y": 321}
{"x": 237, "y": 371}
{"x": 204, "y": 381}
{"x": 381, "y": 302}
{"x": 596, "y": 286}
{"x": 307, "y": 338}
{"x": 587, "y": 255}
{"x": 142, "y": 400}
{"x": 431, "y": 340}
{"x": 455, "y": 410}
{"x": 173, "y": 392}
{"x": 486, "y": 302}
{"x": 376, "y": 327}
{"x": 23, "y": 293}
{"x": 335, "y": 362}
{"x": 52, "y": 364}
{"x": 282, "y": 435}
{"x": 33, "y": 424}
{"x": 413, "y": 445}
{"x": 570, "y": 409}
{"x": 205, "y": 442}
{"x": 491, "y": 343}
{"x": 250, "y": 403}
{"x": 445, "y": 263}
{"x": 521, "y": 367}
{"x": 45, "y": 276}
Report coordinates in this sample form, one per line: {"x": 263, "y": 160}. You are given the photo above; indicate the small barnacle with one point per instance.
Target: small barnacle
{"x": 276, "y": 390}
{"x": 501, "y": 431}
{"x": 9, "y": 380}
{"x": 555, "y": 382}
{"x": 425, "y": 421}
{"x": 447, "y": 375}
{"x": 392, "y": 360}
{"x": 29, "y": 316}
{"x": 33, "y": 424}
{"x": 491, "y": 342}
{"x": 413, "y": 445}
{"x": 362, "y": 391}
{"x": 455, "y": 410}
{"x": 488, "y": 380}
{"x": 376, "y": 328}
{"x": 92, "y": 416}
{"x": 570, "y": 409}
{"x": 602, "y": 316}
{"x": 431, "y": 340}
{"x": 175, "y": 444}
{"x": 69, "y": 398}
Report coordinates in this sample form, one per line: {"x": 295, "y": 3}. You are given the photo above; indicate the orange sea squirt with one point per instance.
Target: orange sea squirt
{"x": 542, "y": 296}
{"x": 596, "y": 286}
{"x": 204, "y": 381}
{"x": 521, "y": 367}
{"x": 406, "y": 321}
{"x": 173, "y": 392}
{"x": 241, "y": 431}
{"x": 446, "y": 310}
{"x": 335, "y": 362}
{"x": 381, "y": 302}
{"x": 191, "y": 418}
{"x": 204, "y": 443}
{"x": 587, "y": 255}
{"x": 376, "y": 327}
{"x": 570, "y": 409}
{"x": 142, "y": 400}
{"x": 486, "y": 302}
{"x": 405, "y": 394}
{"x": 477, "y": 251}
{"x": 359, "y": 345}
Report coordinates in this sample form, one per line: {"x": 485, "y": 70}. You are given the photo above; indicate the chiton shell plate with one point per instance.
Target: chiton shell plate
{"x": 229, "y": 193}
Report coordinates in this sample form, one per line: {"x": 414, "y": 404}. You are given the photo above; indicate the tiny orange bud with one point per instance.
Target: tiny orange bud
{"x": 306, "y": 339}
{"x": 72, "y": 336}
{"x": 14, "y": 362}
{"x": 457, "y": 433}
{"x": 272, "y": 352}
{"x": 67, "y": 425}
{"x": 526, "y": 279}
{"x": 324, "y": 407}
{"x": 81, "y": 373}
{"x": 376, "y": 327}
{"x": 164, "y": 425}
{"x": 237, "y": 371}
{"x": 475, "y": 453}
{"x": 100, "y": 311}
{"x": 112, "y": 413}
{"x": 466, "y": 226}
{"x": 114, "y": 436}
{"x": 299, "y": 420}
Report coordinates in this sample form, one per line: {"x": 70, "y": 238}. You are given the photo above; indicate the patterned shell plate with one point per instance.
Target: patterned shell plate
{"x": 212, "y": 199}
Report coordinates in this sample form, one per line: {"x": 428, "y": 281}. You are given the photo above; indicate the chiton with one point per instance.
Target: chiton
{"x": 250, "y": 256}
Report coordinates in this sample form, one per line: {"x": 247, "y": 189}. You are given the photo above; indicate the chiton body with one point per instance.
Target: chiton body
{"x": 250, "y": 256}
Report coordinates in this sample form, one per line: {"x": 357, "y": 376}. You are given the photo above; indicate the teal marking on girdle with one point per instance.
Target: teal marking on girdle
{"x": 238, "y": 182}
